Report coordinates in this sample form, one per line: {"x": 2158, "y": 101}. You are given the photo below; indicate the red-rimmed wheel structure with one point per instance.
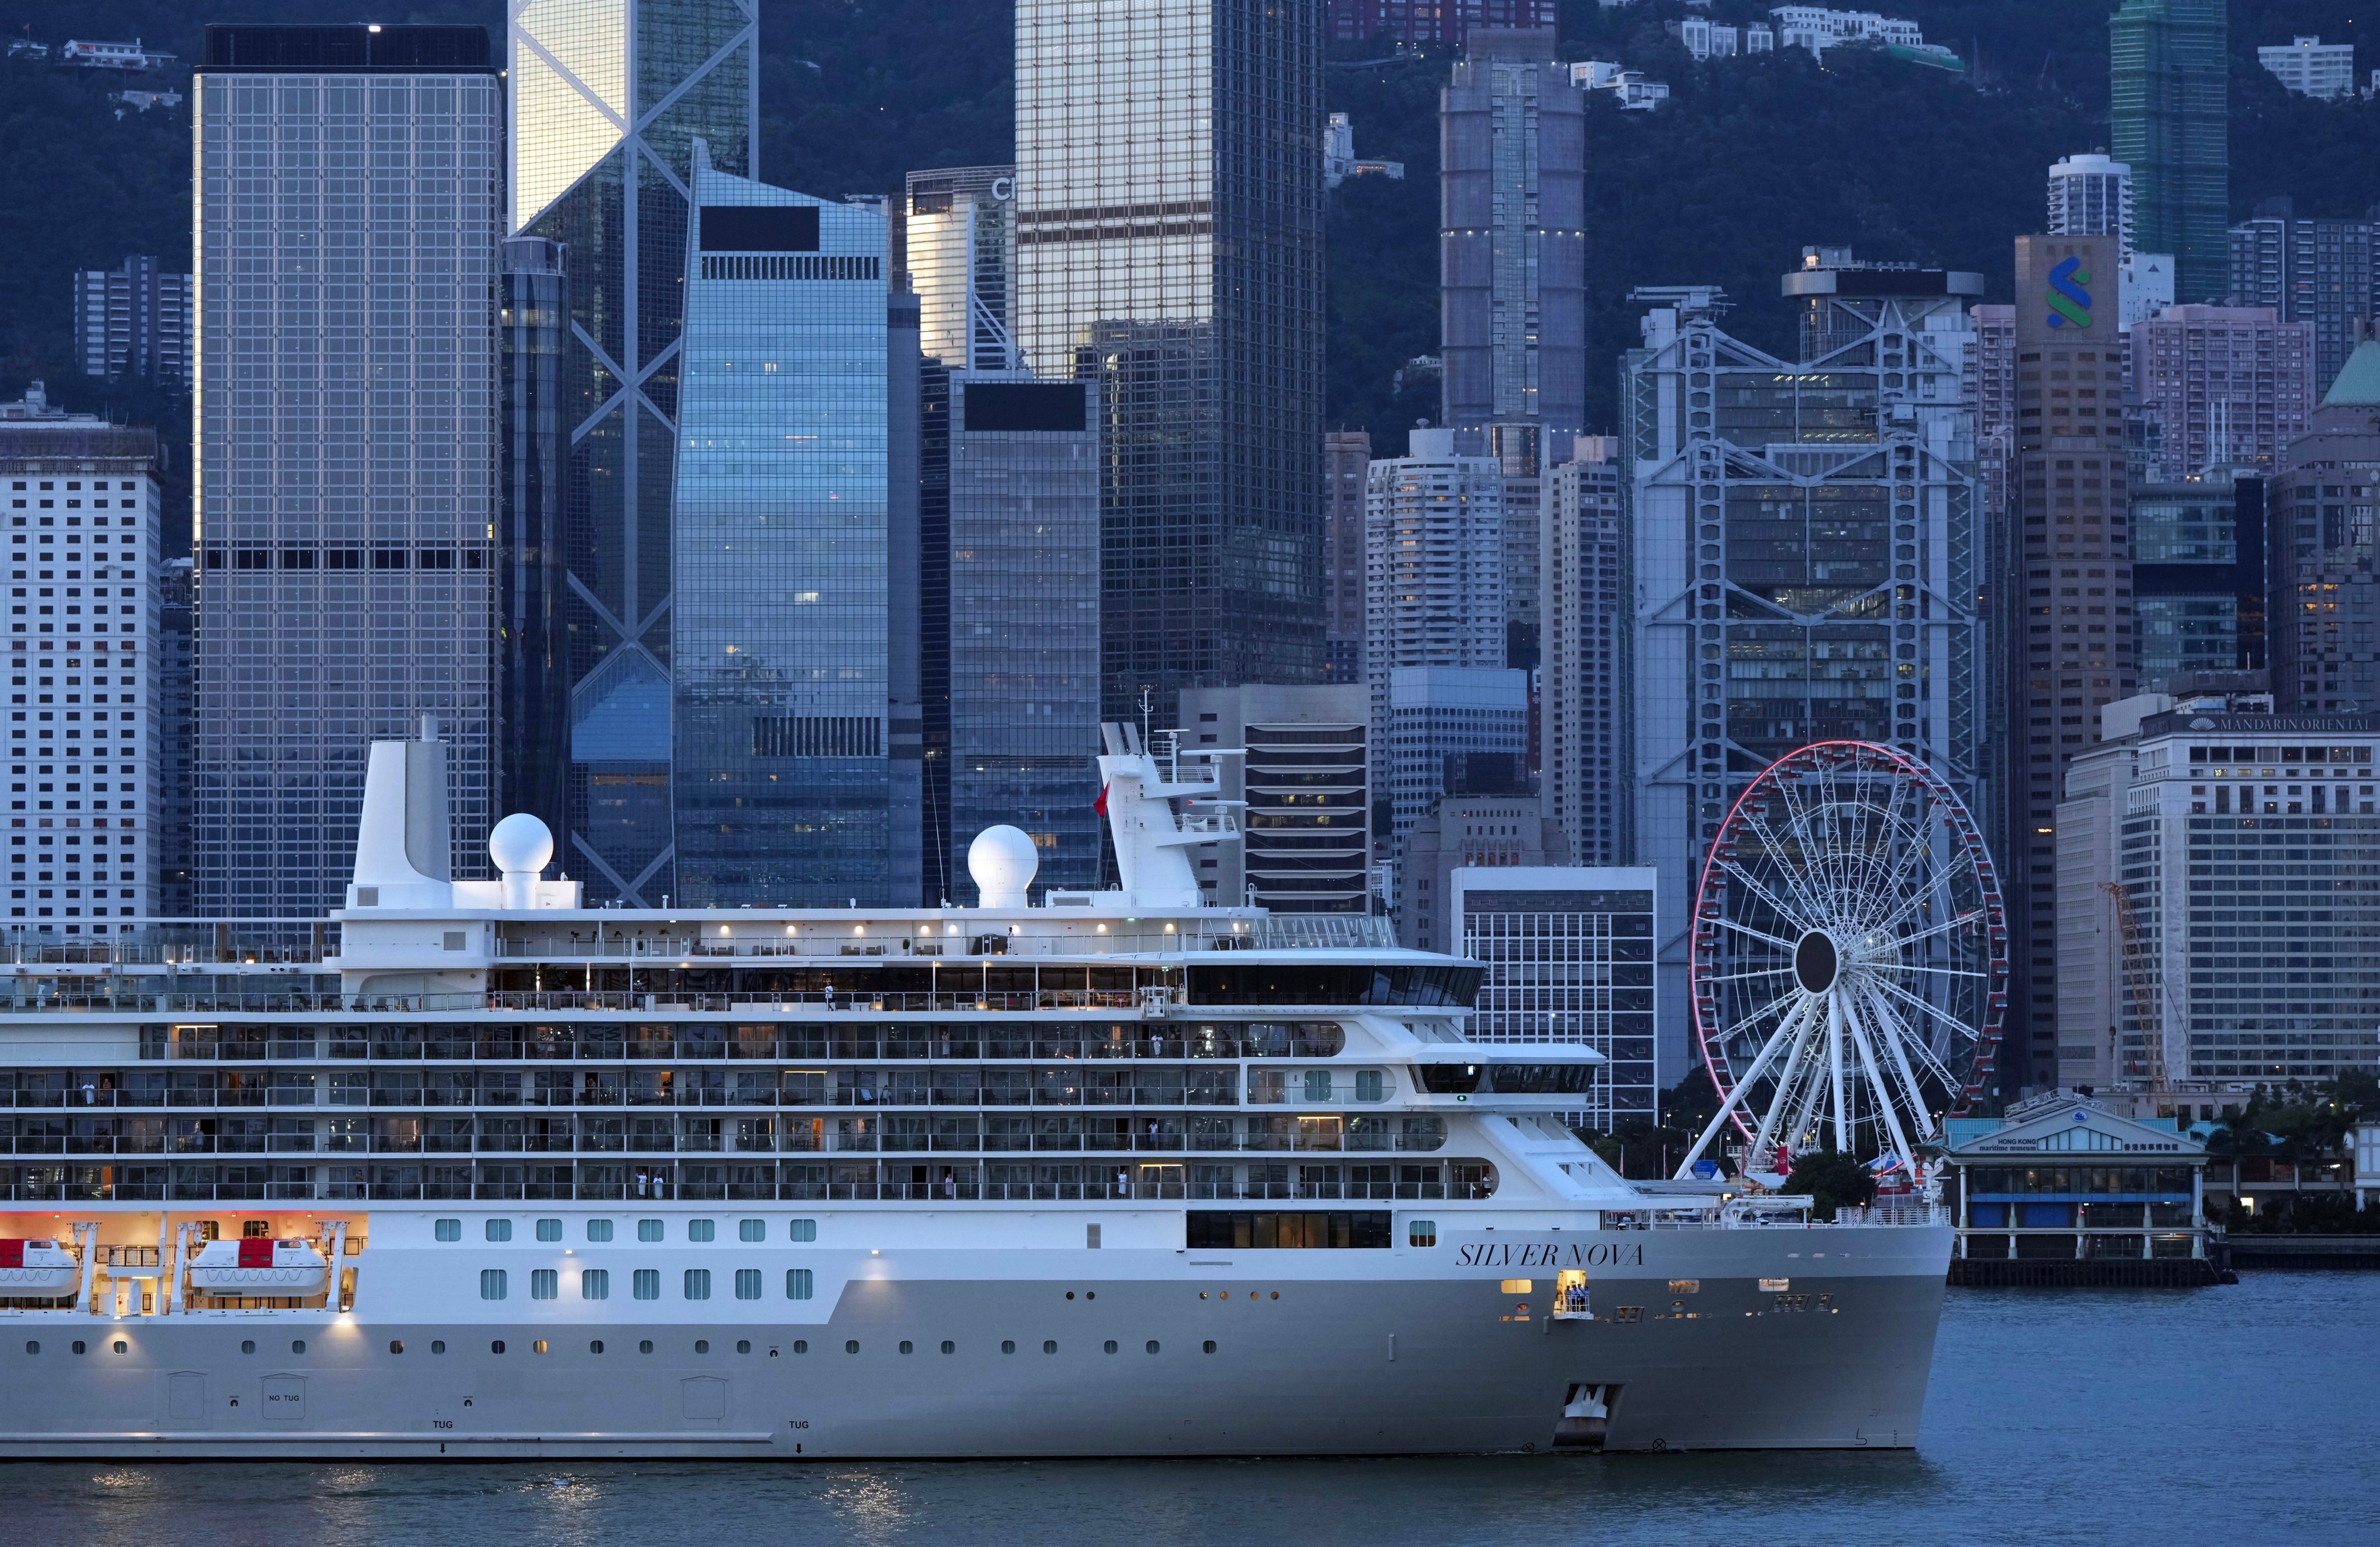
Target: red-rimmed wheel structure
{"x": 1850, "y": 957}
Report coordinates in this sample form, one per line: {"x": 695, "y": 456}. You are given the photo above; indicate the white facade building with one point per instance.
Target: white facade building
{"x": 2239, "y": 841}
{"x": 84, "y": 724}
{"x": 2091, "y": 196}
{"x": 1818, "y": 29}
{"x": 1636, "y": 93}
{"x": 2312, "y": 67}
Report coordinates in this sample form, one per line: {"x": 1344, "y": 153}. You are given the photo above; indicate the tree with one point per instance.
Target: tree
{"x": 1832, "y": 1179}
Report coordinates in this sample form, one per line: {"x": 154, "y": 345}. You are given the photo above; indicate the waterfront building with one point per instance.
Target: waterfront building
{"x": 1446, "y": 22}
{"x": 1567, "y": 954}
{"x": 134, "y": 321}
{"x": 1346, "y": 478}
{"x": 2325, "y": 617}
{"x": 959, "y": 239}
{"x": 2198, "y": 576}
{"x": 2230, "y": 384}
{"x": 1169, "y": 247}
{"x": 1009, "y": 601}
{"x": 82, "y": 494}
{"x": 1306, "y": 831}
{"x": 2064, "y": 1190}
{"x": 2319, "y": 272}
{"x": 2169, "y": 122}
{"x": 1512, "y": 278}
{"x": 1584, "y": 690}
{"x": 2091, "y": 196}
{"x": 604, "y": 103}
{"x": 2069, "y": 635}
{"x": 781, "y": 624}
{"x": 1804, "y": 555}
{"x": 2241, "y": 842}
{"x": 2310, "y": 66}
{"x": 343, "y": 510}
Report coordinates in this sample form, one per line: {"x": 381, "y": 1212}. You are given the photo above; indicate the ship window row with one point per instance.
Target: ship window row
{"x": 288, "y": 1138}
{"x": 601, "y": 1231}
{"x": 913, "y": 1180}
{"x": 643, "y": 1283}
{"x": 701, "y": 1344}
{"x": 762, "y": 1042}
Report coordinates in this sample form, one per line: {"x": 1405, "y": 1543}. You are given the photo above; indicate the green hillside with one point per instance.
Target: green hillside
{"x": 1749, "y": 161}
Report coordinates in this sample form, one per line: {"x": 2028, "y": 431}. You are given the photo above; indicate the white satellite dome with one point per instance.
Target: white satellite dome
{"x": 1003, "y": 860}
{"x": 521, "y": 844}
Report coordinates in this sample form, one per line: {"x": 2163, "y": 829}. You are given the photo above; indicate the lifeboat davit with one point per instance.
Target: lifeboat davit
{"x": 37, "y": 1268}
{"x": 258, "y": 1266}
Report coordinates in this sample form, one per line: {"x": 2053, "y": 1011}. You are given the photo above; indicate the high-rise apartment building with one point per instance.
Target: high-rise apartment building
{"x": 1009, "y": 523}
{"x": 1431, "y": 21}
{"x": 2317, "y": 272}
{"x": 2198, "y": 576}
{"x": 1347, "y": 472}
{"x": 1169, "y": 247}
{"x": 1305, "y": 842}
{"x": 83, "y": 530}
{"x": 2211, "y": 821}
{"x": 1586, "y": 693}
{"x": 2325, "y": 614}
{"x": 1990, "y": 388}
{"x": 1434, "y": 568}
{"x": 2230, "y": 384}
{"x": 2092, "y": 196}
{"x": 1512, "y": 274}
{"x": 780, "y": 628}
{"x": 1805, "y": 554}
{"x": 2310, "y": 66}
{"x": 605, "y": 101}
{"x": 959, "y": 242}
{"x": 134, "y": 321}
{"x": 2069, "y": 640}
{"x": 2169, "y": 123}
{"x": 346, "y": 224}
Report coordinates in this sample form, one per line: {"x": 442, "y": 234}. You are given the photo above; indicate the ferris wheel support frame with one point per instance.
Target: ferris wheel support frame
{"x": 1797, "y": 1094}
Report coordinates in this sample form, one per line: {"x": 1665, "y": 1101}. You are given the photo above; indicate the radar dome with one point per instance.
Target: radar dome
{"x": 521, "y": 843}
{"x": 1003, "y": 860}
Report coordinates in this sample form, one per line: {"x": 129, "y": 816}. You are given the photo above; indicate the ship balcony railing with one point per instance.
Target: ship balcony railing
{"x": 384, "y": 1190}
{"x": 589, "y": 1046}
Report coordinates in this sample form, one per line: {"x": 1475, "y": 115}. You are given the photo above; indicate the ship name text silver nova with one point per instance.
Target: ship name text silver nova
{"x": 468, "y": 1169}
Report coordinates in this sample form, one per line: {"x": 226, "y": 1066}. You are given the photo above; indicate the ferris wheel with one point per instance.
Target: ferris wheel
{"x": 1850, "y": 959}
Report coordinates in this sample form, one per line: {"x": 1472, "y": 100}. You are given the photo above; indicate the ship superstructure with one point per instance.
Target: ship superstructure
{"x": 471, "y": 1169}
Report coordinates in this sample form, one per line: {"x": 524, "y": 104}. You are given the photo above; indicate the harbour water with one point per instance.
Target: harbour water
{"x": 2081, "y": 1415}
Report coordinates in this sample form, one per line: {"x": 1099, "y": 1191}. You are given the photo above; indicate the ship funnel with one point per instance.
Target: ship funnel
{"x": 404, "y": 837}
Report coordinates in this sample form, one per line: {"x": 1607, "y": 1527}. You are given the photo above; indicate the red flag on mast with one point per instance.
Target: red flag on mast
{"x": 1100, "y": 805}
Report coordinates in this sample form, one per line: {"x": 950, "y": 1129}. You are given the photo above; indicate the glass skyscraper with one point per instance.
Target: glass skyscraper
{"x": 607, "y": 99}
{"x": 1169, "y": 247}
{"x": 962, "y": 260}
{"x": 346, "y": 224}
{"x": 780, "y": 624}
{"x": 2168, "y": 120}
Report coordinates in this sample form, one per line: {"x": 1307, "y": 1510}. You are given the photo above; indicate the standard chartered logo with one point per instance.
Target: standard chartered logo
{"x": 2070, "y": 303}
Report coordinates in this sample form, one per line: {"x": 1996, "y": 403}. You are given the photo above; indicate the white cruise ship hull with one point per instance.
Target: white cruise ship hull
{"x": 1397, "y": 1353}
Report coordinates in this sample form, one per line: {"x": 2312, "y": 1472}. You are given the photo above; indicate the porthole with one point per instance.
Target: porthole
{"x": 395, "y": 1347}
{"x": 1209, "y": 1345}
{"x": 539, "y": 1346}
{"x": 907, "y": 1346}
{"x": 1070, "y": 1294}
{"x": 1049, "y": 1347}
{"x": 702, "y": 1345}
{"x": 497, "y": 1346}
{"x": 949, "y": 1346}
{"x": 247, "y": 1346}
{"x": 1152, "y": 1344}
{"x": 80, "y": 1347}
{"x": 645, "y": 1346}
{"x": 121, "y": 1347}
{"x": 298, "y": 1346}
{"x": 33, "y": 1348}
{"x": 851, "y": 1347}
{"x": 1007, "y": 1346}
{"x": 1112, "y": 1345}
{"x": 437, "y": 1345}
{"x": 743, "y": 1345}
{"x": 596, "y": 1347}
{"x": 801, "y": 1346}
{"x": 1090, "y": 1294}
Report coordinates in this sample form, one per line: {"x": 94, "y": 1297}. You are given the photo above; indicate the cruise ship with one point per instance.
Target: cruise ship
{"x": 470, "y": 1169}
